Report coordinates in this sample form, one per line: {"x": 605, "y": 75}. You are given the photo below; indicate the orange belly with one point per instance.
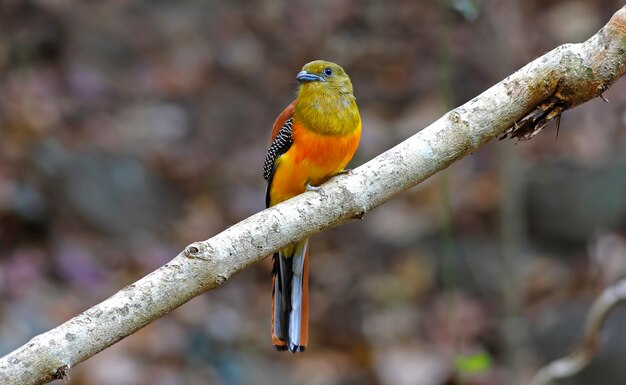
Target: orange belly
{"x": 313, "y": 158}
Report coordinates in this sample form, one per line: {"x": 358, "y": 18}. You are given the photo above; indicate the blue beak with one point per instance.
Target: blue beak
{"x": 305, "y": 76}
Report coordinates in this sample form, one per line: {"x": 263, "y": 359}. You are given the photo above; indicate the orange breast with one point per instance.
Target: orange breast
{"x": 312, "y": 158}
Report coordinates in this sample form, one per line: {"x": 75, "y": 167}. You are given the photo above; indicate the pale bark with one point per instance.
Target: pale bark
{"x": 563, "y": 78}
{"x": 603, "y": 307}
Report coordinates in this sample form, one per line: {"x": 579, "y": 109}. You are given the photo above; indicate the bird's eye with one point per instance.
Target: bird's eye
{"x": 328, "y": 71}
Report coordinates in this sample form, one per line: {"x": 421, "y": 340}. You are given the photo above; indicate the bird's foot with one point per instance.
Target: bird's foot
{"x": 310, "y": 187}
{"x": 317, "y": 189}
{"x": 345, "y": 171}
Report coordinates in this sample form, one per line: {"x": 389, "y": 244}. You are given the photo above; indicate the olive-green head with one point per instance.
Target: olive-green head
{"x": 321, "y": 75}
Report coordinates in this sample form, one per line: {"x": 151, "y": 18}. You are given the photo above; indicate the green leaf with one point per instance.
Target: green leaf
{"x": 475, "y": 363}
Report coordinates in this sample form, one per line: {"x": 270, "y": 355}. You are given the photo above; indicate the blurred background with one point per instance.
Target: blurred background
{"x": 129, "y": 129}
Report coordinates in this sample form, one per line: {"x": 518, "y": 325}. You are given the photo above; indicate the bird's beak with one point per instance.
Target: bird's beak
{"x": 305, "y": 76}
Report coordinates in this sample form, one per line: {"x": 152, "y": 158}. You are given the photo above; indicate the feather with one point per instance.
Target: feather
{"x": 280, "y": 145}
{"x": 290, "y": 302}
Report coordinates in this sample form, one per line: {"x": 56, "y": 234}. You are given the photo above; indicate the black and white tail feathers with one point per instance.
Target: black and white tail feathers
{"x": 290, "y": 298}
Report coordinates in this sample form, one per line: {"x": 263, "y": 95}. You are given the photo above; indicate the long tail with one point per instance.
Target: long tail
{"x": 290, "y": 298}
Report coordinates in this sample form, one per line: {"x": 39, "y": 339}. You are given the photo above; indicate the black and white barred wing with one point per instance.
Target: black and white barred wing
{"x": 282, "y": 142}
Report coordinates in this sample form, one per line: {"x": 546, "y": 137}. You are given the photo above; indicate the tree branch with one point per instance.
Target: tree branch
{"x": 607, "y": 302}
{"x": 520, "y": 104}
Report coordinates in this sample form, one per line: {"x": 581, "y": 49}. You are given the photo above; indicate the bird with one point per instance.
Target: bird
{"x": 312, "y": 140}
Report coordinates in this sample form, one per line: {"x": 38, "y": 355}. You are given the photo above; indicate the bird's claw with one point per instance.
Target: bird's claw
{"x": 310, "y": 187}
{"x": 345, "y": 171}
{"x": 317, "y": 189}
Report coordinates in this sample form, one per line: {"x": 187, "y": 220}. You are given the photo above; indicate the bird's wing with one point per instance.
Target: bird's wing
{"x": 282, "y": 118}
{"x": 281, "y": 142}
